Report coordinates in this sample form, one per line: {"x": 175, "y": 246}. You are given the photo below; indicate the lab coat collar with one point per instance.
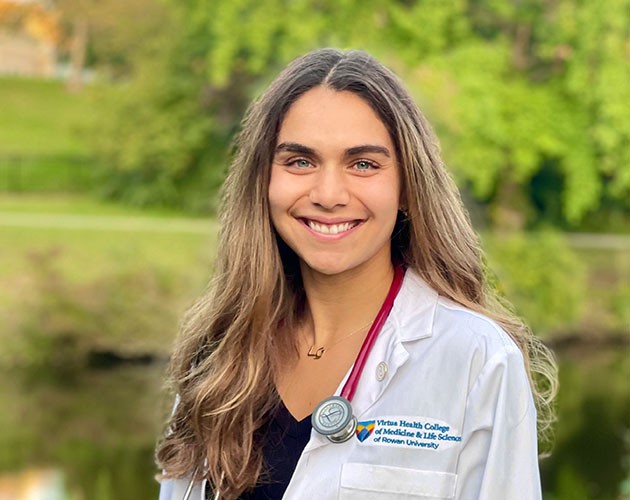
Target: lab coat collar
{"x": 410, "y": 319}
{"x": 415, "y": 305}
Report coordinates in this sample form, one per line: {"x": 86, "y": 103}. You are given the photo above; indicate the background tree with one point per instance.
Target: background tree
{"x": 537, "y": 92}
{"x": 107, "y": 35}
{"x": 528, "y": 97}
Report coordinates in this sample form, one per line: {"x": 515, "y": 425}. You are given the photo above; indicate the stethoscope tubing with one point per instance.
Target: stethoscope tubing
{"x": 191, "y": 486}
{"x": 333, "y": 417}
{"x": 189, "y": 489}
{"x": 350, "y": 387}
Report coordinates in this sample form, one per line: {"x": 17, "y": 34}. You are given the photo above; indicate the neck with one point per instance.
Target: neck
{"x": 342, "y": 303}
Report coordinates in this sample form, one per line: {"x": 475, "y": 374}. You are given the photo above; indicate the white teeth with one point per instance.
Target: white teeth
{"x": 330, "y": 229}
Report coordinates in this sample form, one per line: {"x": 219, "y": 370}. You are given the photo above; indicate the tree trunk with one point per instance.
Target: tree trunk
{"x": 520, "y": 49}
{"x": 78, "y": 52}
{"x": 510, "y": 209}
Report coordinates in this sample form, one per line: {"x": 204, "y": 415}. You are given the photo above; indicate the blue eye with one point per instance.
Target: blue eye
{"x": 301, "y": 163}
{"x": 364, "y": 165}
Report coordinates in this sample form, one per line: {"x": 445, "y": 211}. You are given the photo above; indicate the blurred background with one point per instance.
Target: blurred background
{"x": 116, "y": 118}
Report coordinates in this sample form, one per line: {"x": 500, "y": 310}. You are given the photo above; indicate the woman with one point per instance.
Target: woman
{"x": 336, "y": 209}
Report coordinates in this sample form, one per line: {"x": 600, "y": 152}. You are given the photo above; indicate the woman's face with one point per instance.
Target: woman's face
{"x": 335, "y": 183}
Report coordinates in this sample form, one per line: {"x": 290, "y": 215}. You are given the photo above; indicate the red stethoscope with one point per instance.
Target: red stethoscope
{"x": 333, "y": 417}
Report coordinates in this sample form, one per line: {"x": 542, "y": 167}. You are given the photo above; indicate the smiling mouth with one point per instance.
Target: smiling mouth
{"x": 318, "y": 227}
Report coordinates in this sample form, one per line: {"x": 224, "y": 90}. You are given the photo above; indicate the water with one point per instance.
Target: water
{"x": 90, "y": 435}
{"x": 591, "y": 456}
{"x": 97, "y": 428}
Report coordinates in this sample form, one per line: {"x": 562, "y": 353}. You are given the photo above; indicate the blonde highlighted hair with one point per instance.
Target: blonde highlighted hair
{"x": 236, "y": 335}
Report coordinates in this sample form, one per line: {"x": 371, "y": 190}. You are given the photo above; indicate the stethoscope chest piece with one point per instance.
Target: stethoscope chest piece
{"x": 333, "y": 418}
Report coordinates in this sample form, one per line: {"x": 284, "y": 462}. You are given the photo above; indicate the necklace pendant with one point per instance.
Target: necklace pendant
{"x": 319, "y": 352}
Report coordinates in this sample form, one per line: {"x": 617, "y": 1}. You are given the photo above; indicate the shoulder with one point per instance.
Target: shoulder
{"x": 464, "y": 346}
{"x": 421, "y": 312}
{"x": 472, "y": 329}
{"x": 464, "y": 351}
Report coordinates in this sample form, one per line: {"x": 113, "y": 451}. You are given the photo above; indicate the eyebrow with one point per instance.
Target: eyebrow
{"x": 368, "y": 148}
{"x": 293, "y": 147}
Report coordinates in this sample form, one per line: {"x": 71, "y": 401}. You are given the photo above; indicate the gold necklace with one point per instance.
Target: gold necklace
{"x": 319, "y": 352}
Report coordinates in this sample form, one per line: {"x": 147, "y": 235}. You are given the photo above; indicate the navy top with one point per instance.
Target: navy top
{"x": 284, "y": 440}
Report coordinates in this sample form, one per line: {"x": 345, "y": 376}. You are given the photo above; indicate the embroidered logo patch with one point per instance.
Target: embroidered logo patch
{"x": 408, "y": 432}
{"x": 365, "y": 429}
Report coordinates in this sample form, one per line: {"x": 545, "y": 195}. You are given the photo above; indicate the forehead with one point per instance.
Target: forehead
{"x": 323, "y": 118}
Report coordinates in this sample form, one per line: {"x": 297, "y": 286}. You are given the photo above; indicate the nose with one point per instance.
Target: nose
{"x": 329, "y": 189}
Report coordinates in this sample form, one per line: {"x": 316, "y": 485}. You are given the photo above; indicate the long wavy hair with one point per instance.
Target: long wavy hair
{"x": 240, "y": 331}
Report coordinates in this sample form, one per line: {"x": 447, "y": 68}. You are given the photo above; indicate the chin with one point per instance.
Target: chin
{"x": 328, "y": 267}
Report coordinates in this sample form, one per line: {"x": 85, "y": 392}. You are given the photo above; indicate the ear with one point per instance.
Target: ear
{"x": 403, "y": 207}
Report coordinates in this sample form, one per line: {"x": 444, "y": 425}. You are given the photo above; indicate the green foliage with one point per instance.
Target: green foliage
{"x": 596, "y": 37}
{"x": 70, "y": 293}
{"x": 620, "y": 301}
{"x": 64, "y": 323}
{"x": 536, "y": 84}
{"x": 571, "y": 486}
{"x": 156, "y": 139}
{"x": 156, "y": 151}
{"x": 251, "y": 37}
{"x": 163, "y": 137}
{"x": 541, "y": 276}
{"x": 511, "y": 87}
{"x": 117, "y": 31}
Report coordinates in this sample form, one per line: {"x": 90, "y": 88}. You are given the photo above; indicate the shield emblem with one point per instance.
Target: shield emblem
{"x": 365, "y": 429}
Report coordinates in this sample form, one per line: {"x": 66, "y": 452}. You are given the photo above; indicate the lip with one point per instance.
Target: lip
{"x": 337, "y": 221}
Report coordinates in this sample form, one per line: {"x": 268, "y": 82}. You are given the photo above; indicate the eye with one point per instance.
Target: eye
{"x": 300, "y": 163}
{"x": 365, "y": 165}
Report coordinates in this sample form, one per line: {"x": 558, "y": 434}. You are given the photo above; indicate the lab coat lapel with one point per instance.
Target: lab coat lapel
{"x": 388, "y": 350}
{"x": 367, "y": 393}
{"x": 387, "y": 356}
{"x": 415, "y": 304}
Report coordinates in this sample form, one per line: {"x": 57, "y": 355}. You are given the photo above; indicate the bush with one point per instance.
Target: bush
{"x": 127, "y": 313}
{"x": 540, "y": 275}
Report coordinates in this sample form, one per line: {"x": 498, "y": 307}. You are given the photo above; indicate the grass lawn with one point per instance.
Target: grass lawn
{"x": 39, "y": 117}
{"x": 103, "y": 237}
{"x": 30, "y": 203}
{"x": 83, "y": 255}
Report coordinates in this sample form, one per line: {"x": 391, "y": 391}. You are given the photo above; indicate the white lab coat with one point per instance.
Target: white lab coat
{"x": 445, "y": 409}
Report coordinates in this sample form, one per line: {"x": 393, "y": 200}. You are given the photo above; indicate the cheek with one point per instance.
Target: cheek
{"x": 285, "y": 189}
{"x": 384, "y": 198}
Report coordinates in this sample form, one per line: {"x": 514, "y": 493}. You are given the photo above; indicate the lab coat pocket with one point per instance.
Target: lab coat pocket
{"x": 379, "y": 482}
